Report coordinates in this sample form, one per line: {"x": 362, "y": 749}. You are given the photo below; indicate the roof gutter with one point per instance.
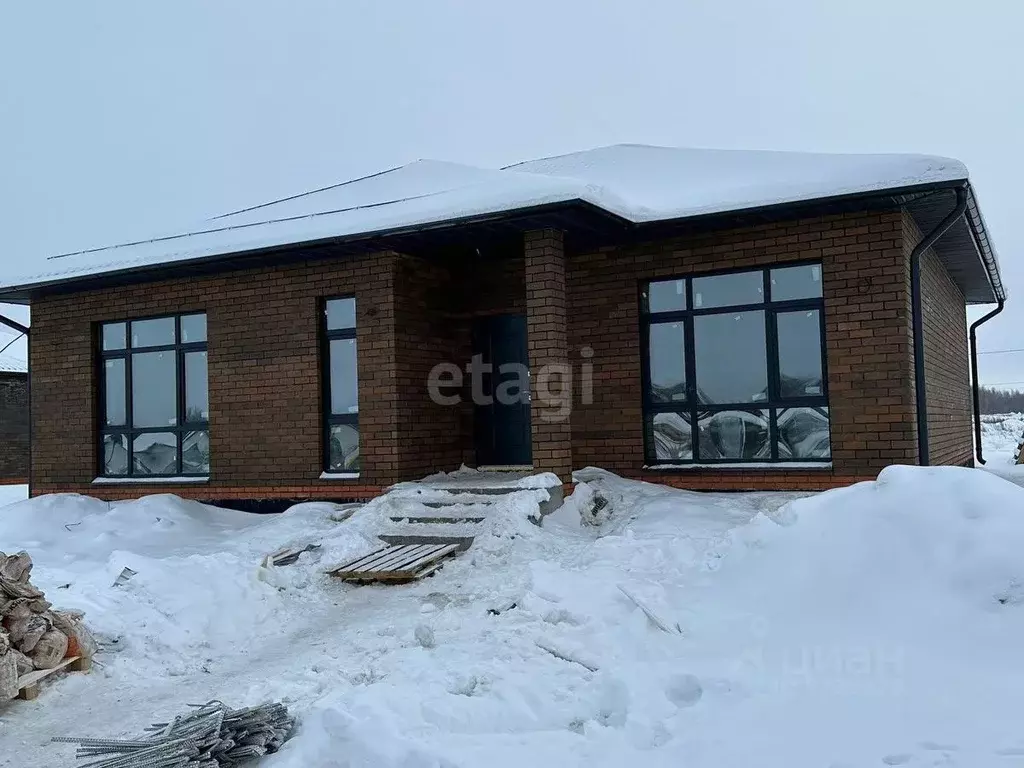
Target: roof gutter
{"x": 974, "y": 377}
{"x": 918, "y": 321}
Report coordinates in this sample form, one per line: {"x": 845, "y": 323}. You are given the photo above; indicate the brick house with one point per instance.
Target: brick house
{"x": 707, "y": 319}
{"x": 13, "y": 420}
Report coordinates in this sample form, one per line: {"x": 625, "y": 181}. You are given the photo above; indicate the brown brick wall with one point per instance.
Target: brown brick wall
{"x": 429, "y": 434}
{"x": 865, "y": 283}
{"x": 546, "y": 321}
{"x": 264, "y": 358}
{"x": 947, "y": 372}
{"x": 264, "y": 377}
{"x": 13, "y": 427}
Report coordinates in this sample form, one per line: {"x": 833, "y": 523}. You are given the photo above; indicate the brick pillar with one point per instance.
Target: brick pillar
{"x": 549, "y": 352}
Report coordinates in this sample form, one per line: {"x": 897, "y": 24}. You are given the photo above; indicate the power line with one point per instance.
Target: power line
{"x": 11, "y": 342}
{"x": 1000, "y": 351}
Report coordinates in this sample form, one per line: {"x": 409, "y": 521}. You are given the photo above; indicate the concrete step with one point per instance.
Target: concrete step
{"x": 464, "y": 542}
{"x": 434, "y": 520}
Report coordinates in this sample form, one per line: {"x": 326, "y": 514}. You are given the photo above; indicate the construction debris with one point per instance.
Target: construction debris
{"x": 288, "y": 555}
{"x": 34, "y": 638}
{"x": 209, "y": 737}
{"x": 397, "y": 564}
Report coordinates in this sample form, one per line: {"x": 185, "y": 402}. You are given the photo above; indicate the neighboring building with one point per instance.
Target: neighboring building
{"x": 14, "y": 443}
{"x": 739, "y": 320}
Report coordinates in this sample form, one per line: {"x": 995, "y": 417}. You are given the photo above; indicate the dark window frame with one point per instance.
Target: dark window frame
{"x": 693, "y": 410}
{"x": 330, "y": 419}
{"x": 181, "y": 428}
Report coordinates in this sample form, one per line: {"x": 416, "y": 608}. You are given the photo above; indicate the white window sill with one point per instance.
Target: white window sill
{"x": 759, "y": 466}
{"x": 148, "y": 480}
{"x": 339, "y": 475}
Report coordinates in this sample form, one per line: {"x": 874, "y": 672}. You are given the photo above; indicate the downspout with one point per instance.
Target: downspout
{"x": 974, "y": 377}
{"x": 918, "y": 322}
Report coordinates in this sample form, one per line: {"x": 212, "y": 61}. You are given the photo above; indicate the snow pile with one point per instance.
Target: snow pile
{"x": 196, "y": 585}
{"x": 872, "y": 625}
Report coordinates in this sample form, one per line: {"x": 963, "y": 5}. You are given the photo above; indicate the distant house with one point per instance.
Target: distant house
{"x": 14, "y": 442}
{"x": 728, "y": 319}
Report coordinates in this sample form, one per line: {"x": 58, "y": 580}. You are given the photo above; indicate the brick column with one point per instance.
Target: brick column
{"x": 549, "y": 352}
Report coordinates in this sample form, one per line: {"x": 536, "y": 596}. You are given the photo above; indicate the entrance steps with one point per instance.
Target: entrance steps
{"x": 441, "y": 515}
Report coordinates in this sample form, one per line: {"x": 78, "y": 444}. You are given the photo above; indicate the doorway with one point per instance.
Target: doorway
{"x": 502, "y": 417}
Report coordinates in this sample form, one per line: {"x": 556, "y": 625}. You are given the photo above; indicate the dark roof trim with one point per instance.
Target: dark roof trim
{"x": 570, "y": 215}
{"x": 984, "y": 244}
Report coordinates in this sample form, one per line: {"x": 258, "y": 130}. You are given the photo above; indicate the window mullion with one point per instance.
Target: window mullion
{"x": 129, "y": 416}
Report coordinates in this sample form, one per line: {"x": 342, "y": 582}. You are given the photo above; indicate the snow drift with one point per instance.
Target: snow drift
{"x": 876, "y": 624}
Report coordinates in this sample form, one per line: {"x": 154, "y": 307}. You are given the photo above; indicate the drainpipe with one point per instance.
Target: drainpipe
{"x": 918, "y": 322}
{"x": 974, "y": 376}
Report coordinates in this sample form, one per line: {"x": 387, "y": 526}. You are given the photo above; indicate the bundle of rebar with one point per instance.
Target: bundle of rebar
{"x": 211, "y": 736}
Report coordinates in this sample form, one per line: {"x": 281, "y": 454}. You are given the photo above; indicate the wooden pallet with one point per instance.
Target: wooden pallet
{"x": 397, "y": 564}
{"x": 28, "y": 684}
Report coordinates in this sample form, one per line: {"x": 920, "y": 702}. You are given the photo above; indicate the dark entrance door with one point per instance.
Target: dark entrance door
{"x": 502, "y": 419}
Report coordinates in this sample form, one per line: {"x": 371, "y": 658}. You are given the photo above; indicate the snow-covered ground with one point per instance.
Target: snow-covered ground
{"x": 874, "y": 625}
{"x": 1000, "y": 435}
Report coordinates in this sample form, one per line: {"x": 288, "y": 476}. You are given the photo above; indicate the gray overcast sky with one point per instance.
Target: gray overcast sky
{"x": 123, "y": 118}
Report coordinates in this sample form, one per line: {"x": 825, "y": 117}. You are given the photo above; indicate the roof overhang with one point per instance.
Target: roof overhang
{"x": 966, "y": 249}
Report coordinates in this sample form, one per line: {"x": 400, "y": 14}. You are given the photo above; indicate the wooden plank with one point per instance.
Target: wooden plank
{"x": 442, "y": 550}
{"x": 377, "y": 557}
{"x": 28, "y": 683}
{"x": 359, "y": 560}
{"x": 399, "y": 554}
{"x": 411, "y": 569}
{"x": 406, "y": 555}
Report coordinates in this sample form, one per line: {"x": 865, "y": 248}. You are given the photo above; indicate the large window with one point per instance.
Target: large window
{"x": 734, "y": 368}
{"x": 341, "y": 390}
{"x": 154, "y": 398}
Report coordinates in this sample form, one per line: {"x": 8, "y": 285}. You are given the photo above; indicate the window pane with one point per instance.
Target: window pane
{"x": 341, "y": 313}
{"x": 344, "y": 389}
{"x": 115, "y": 455}
{"x": 800, "y": 354}
{"x": 153, "y": 333}
{"x": 728, "y": 290}
{"x": 670, "y": 437}
{"x": 343, "y": 451}
{"x": 666, "y": 296}
{"x": 193, "y": 328}
{"x": 731, "y": 361}
{"x": 668, "y": 362}
{"x": 197, "y": 393}
{"x": 802, "y": 282}
{"x": 154, "y": 389}
{"x": 195, "y": 453}
{"x": 803, "y": 433}
{"x": 156, "y": 453}
{"x": 114, "y": 336}
{"x": 735, "y": 435}
{"x": 116, "y": 409}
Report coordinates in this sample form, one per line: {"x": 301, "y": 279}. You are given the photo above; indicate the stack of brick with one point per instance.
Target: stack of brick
{"x": 32, "y": 635}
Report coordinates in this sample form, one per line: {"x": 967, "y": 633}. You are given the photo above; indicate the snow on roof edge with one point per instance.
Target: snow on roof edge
{"x": 507, "y": 192}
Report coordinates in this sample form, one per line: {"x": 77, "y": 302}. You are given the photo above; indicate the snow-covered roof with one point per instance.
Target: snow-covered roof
{"x": 639, "y": 184}
{"x": 11, "y": 364}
